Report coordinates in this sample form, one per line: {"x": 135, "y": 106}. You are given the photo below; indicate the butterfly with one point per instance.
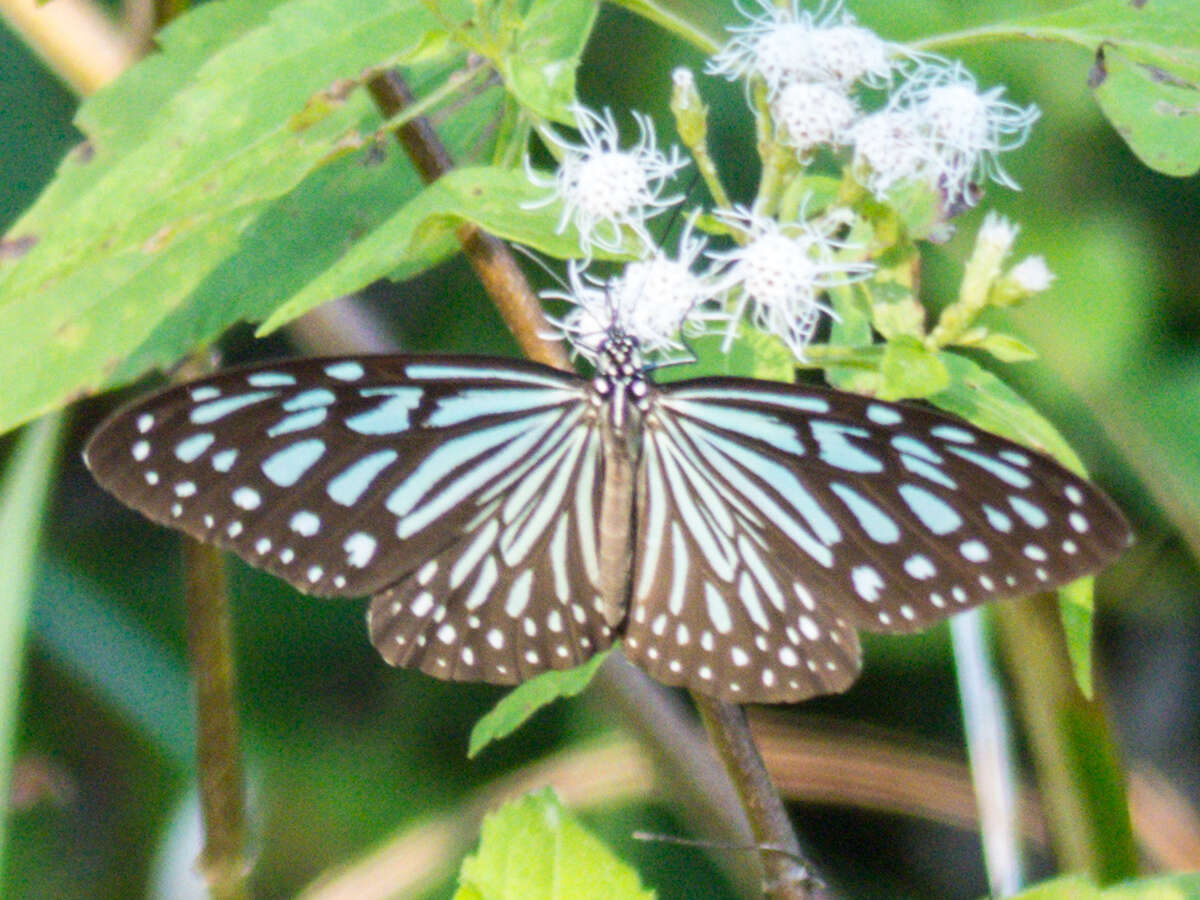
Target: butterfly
{"x": 508, "y": 518}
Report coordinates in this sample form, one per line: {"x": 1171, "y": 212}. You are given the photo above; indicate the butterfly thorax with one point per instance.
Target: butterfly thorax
{"x": 622, "y": 395}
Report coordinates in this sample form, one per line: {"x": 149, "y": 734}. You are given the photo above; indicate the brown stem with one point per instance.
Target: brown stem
{"x": 787, "y": 876}
{"x": 491, "y": 259}
{"x": 222, "y": 790}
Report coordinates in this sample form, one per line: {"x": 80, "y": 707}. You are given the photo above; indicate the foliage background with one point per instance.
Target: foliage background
{"x": 344, "y": 752}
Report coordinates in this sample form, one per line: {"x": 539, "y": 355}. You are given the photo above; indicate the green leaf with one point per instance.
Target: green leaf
{"x": 139, "y": 241}
{"x": 1005, "y": 347}
{"x": 910, "y": 369}
{"x": 1076, "y": 608}
{"x": 540, "y": 68}
{"x": 984, "y": 400}
{"x": 753, "y": 354}
{"x": 501, "y": 201}
{"x": 24, "y": 491}
{"x": 1146, "y": 74}
{"x": 895, "y": 311}
{"x": 526, "y": 699}
{"x": 534, "y": 848}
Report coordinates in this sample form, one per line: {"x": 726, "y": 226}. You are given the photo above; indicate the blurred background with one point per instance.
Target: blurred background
{"x": 346, "y": 757}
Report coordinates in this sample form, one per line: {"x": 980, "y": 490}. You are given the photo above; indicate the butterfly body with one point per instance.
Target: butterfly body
{"x": 508, "y": 518}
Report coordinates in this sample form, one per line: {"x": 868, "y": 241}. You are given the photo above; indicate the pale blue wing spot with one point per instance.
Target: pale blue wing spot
{"x": 1004, "y": 472}
{"x": 190, "y": 449}
{"x": 247, "y": 498}
{"x": 223, "y": 461}
{"x": 920, "y": 567}
{"x": 1034, "y": 516}
{"x": 953, "y": 434}
{"x": 288, "y": 466}
{"x": 836, "y": 449}
{"x": 444, "y": 372}
{"x": 908, "y": 444}
{"x": 934, "y": 513}
{"x": 879, "y": 526}
{"x": 474, "y": 403}
{"x": 974, "y": 551}
{"x": 884, "y": 415}
{"x": 204, "y": 392}
{"x": 927, "y": 471}
{"x": 349, "y": 485}
{"x": 210, "y": 412}
{"x": 998, "y": 520}
{"x": 801, "y": 403}
{"x": 310, "y": 399}
{"x": 752, "y": 423}
{"x": 345, "y": 371}
{"x": 391, "y": 416}
{"x": 300, "y": 421}
{"x": 270, "y": 379}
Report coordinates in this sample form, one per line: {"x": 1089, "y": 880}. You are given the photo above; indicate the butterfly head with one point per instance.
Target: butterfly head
{"x": 621, "y": 377}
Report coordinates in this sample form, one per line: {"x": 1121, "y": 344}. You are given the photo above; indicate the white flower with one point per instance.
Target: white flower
{"x": 966, "y": 130}
{"x": 812, "y": 113}
{"x": 778, "y": 275}
{"x": 785, "y": 44}
{"x": 604, "y": 188}
{"x": 938, "y": 128}
{"x": 996, "y": 237}
{"x": 653, "y": 301}
{"x": 1031, "y": 275}
{"x": 889, "y": 147}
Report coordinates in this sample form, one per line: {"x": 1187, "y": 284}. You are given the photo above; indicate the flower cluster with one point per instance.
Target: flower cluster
{"x": 806, "y": 73}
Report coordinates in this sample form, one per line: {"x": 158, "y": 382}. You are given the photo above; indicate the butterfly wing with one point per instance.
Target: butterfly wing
{"x": 439, "y": 484}
{"x": 823, "y": 511}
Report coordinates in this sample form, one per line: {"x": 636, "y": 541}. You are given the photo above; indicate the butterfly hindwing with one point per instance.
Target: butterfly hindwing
{"x": 517, "y": 592}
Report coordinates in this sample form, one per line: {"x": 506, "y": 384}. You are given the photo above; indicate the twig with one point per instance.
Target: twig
{"x": 787, "y": 876}
{"x": 222, "y": 790}
{"x": 491, "y": 259}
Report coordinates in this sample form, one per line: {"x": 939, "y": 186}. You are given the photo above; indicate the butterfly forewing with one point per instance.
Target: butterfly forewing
{"x": 892, "y": 515}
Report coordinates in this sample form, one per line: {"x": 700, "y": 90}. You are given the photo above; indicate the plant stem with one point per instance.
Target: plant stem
{"x": 222, "y": 789}
{"x": 787, "y": 876}
{"x": 489, "y": 256}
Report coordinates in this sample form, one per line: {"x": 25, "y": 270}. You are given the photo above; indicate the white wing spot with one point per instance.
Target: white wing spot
{"x": 495, "y": 637}
{"x": 958, "y": 594}
{"x": 425, "y": 573}
{"x": 185, "y": 489}
{"x": 247, "y": 498}
{"x": 810, "y": 628}
{"x": 530, "y": 627}
{"x": 531, "y": 657}
{"x": 422, "y": 604}
{"x": 804, "y": 595}
{"x": 974, "y": 551}
{"x": 920, "y": 567}
{"x": 788, "y": 657}
{"x": 190, "y": 448}
{"x": 1034, "y": 552}
{"x": 141, "y": 450}
{"x": 206, "y": 392}
{"x": 262, "y": 546}
{"x": 360, "y": 547}
{"x": 305, "y": 523}
{"x": 446, "y": 633}
{"x": 718, "y": 611}
{"x": 1078, "y": 521}
{"x": 286, "y": 555}
{"x": 151, "y": 478}
{"x": 146, "y": 421}
{"x": 908, "y": 612}
{"x": 986, "y": 582}
{"x": 468, "y": 656}
{"x": 345, "y": 371}
{"x": 314, "y": 574}
{"x": 1069, "y": 546}
{"x": 768, "y": 678}
{"x": 739, "y": 656}
{"x": 705, "y": 673}
{"x": 867, "y": 582}
{"x": 885, "y": 619}
{"x": 884, "y": 415}
{"x": 224, "y": 460}
{"x": 682, "y": 636}
{"x": 518, "y": 594}
{"x": 1074, "y": 494}
{"x": 937, "y": 600}
{"x": 234, "y": 529}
